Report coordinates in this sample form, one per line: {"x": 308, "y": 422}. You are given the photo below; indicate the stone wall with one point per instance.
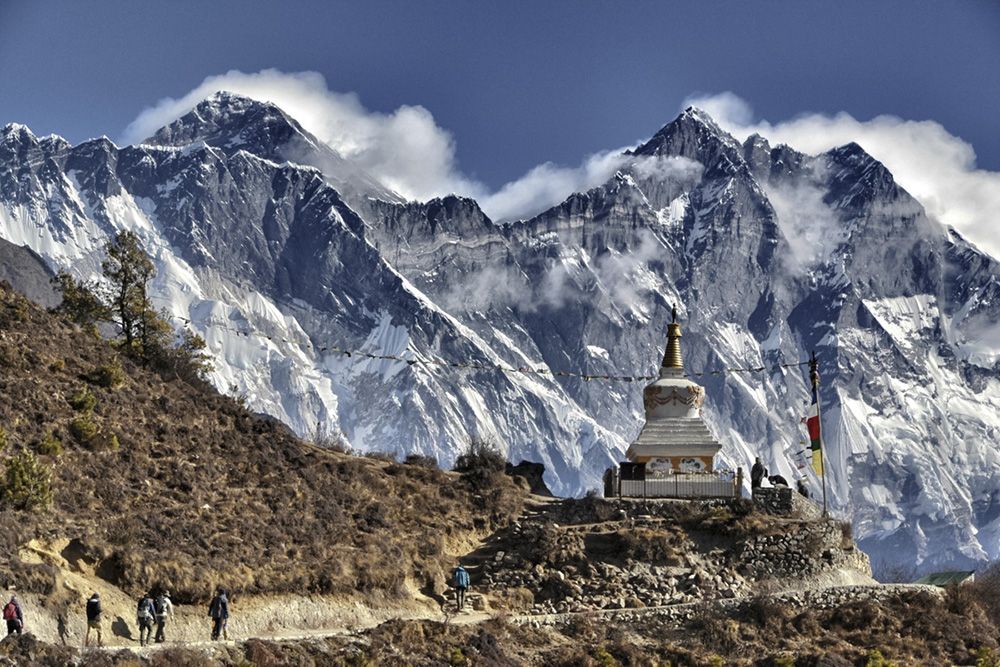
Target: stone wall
{"x": 774, "y": 500}
{"x": 596, "y": 554}
{"x": 814, "y": 546}
{"x": 826, "y": 598}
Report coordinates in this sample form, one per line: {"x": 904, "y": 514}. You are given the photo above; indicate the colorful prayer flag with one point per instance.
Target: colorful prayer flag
{"x": 812, "y": 425}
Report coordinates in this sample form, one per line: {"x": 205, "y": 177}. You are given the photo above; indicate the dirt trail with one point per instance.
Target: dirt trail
{"x": 472, "y": 617}
{"x": 274, "y": 616}
{"x": 290, "y": 617}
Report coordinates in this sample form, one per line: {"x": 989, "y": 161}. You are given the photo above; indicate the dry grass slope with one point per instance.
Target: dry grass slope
{"x": 173, "y": 484}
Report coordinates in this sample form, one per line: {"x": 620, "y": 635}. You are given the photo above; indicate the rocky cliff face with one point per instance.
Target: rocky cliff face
{"x": 27, "y": 273}
{"x": 278, "y": 251}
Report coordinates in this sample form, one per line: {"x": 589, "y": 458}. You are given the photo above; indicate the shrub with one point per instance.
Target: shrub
{"x": 188, "y": 359}
{"x": 456, "y": 658}
{"x": 765, "y": 612}
{"x": 389, "y": 457}
{"x": 3, "y": 439}
{"x": 986, "y": 590}
{"x": 421, "y": 461}
{"x": 716, "y": 630}
{"x": 604, "y": 658}
{"x": 83, "y": 429}
{"x": 104, "y": 442}
{"x": 27, "y": 482}
{"x": 481, "y": 463}
{"x": 323, "y": 435}
{"x": 985, "y": 657}
{"x": 959, "y": 598}
{"x": 83, "y": 401}
{"x": 876, "y": 659}
{"x": 51, "y": 445}
{"x": 109, "y": 376}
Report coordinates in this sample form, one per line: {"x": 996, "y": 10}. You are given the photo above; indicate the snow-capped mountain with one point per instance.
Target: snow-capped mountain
{"x": 277, "y": 249}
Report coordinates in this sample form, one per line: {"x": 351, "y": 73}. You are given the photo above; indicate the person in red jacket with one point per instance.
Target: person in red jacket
{"x": 13, "y": 615}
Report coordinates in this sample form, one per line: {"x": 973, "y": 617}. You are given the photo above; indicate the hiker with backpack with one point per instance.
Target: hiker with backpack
{"x": 12, "y": 614}
{"x": 461, "y": 580}
{"x": 218, "y": 611}
{"x": 164, "y": 609}
{"x": 145, "y": 614}
{"x": 94, "y": 619}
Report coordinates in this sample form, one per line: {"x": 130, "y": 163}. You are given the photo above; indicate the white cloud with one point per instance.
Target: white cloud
{"x": 807, "y": 223}
{"x": 677, "y": 169}
{"x": 408, "y": 152}
{"x": 548, "y": 184}
{"x": 405, "y": 149}
{"x": 935, "y": 166}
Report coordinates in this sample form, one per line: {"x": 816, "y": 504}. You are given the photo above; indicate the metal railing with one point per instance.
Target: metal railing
{"x": 718, "y": 484}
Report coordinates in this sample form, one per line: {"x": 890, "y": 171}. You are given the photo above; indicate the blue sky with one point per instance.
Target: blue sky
{"x": 512, "y": 85}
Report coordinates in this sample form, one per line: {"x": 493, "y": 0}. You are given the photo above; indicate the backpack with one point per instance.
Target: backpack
{"x": 10, "y": 612}
{"x": 143, "y": 610}
{"x": 161, "y": 605}
{"x": 215, "y": 607}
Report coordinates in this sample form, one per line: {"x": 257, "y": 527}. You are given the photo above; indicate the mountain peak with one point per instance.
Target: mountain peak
{"x": 699, "y": 115}
{"x": 232, "y": 122}
{"x": 855, "y": 158}
{"x": 16, "y": 131}
{"x": 696, "y": 136}
{"x": 227, "y": 104}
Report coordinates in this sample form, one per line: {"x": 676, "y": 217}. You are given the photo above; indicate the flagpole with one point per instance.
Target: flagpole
{"x": 814, "y": 378}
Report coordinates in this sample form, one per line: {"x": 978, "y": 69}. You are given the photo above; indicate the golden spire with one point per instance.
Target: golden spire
{"x": 672, "y": 358}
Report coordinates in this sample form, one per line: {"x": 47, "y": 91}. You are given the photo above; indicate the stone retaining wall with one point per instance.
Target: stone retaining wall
{"x": 574, "y": 556}
{"x": 825, "y": 598}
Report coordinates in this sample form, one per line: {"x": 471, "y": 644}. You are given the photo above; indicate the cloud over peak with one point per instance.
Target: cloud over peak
{"x": 408, "y": 152}
{"x": 936, "y": 167}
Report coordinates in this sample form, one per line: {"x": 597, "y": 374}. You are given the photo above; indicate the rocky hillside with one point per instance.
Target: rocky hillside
{"x": 607, "y": 583}
{"x": 165, "y": 482}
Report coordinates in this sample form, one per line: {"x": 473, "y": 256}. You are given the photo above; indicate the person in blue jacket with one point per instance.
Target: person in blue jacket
{"x": 461, "y": 580}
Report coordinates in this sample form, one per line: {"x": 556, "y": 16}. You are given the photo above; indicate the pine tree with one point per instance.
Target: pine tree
{"x": 128, "y": 270}
{"x": 80, "y": 303}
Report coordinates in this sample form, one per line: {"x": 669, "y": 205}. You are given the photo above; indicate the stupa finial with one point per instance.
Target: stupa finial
{"x": 672, "y": 358}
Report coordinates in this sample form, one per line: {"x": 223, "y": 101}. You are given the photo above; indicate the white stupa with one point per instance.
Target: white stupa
{"x": 674, "y": 438}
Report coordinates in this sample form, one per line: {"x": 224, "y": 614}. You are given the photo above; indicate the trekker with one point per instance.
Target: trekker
{"x": 144, "y": 614}
{"x": 94, "y": 619}
{"x": 461, "y": 579}
{"x": 756, "y": 473}
{"x": 218, "y": 611}
{"x": 12, "y": 614}
{"x": 164, "y": 608}
{"x": 801, "y": 486}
